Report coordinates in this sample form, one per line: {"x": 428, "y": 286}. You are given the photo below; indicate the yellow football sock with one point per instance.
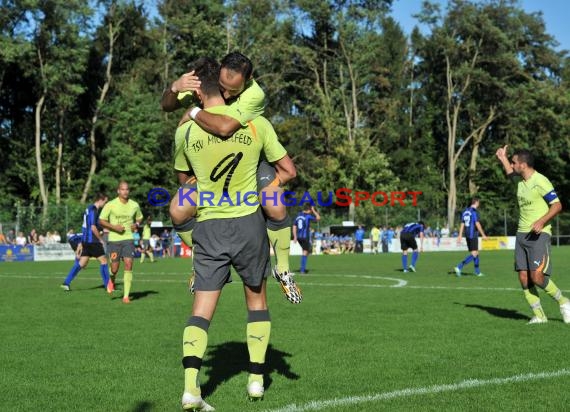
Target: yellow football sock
{"x": 533, "y": 300}
{"x": 143, "y": 254}
{"x": 258, "y": 332}
{"x": 195, "y": 341}
{"x": 281, "y": 242}
{"x": 556, "y": 293}
{"x": 128, "y": 280}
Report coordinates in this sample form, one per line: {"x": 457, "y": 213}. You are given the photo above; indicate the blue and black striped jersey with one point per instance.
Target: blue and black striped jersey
{"x": 303, "y": 223}
{"x": 90, "y": 217}
{"x": 469, "y": 218}
{"x": 414, "y": 228}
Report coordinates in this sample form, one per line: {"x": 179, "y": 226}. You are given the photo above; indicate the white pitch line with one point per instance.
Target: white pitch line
{"x": 300, "y": 279}
{"x": 427, "y": 390}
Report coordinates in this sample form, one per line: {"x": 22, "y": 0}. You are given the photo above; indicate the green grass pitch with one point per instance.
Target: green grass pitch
{"x": 366, "y": 337}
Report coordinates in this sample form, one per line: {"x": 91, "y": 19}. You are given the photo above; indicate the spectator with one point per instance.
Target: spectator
{"x": 21, "y": 239}
{"x": 177, "y": 244}
{"x": 34, "y": 238}
{"x": 165, "y": 238}
{"x": 11, "y": 237}
{"x": 359, "y": 239}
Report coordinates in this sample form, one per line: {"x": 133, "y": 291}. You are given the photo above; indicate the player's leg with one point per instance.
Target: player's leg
{"x": 104, "y": 271}
{"x": 128, "y": 250}
{"x": 278, "y": 222}
{"x": 212, "y": 270}
{"x": 415, "y": 253}
{"x": 540, "y": 273}
{"x": 183, "y": 211}
{"x": 97, "y": 251}
{"x": 77, "y": 266}
{"x": 278, "y": 228}
{"x": 258, "y": 332}
{"x": 113, "y": 250}
{"x": 529, "y": 288}
{"x": 252, "y": 263}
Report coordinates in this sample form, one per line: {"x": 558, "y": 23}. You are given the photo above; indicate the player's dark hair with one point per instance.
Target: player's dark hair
{"x": 525, "y": 156}
{"x": 237, "y": 62}
{"x": 208, "y": 71}
{"x": 422, "y": 223}
{"x": 101, "y": 196}
{"x": 474, "y": 200}
{"x": 307, "y": 206}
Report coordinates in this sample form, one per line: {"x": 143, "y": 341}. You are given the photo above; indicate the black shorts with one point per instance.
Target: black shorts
{"x": 305, "y": 245}
{"x": 472, "y": 243}
{"x": 93, "y": 250}
{"x": 408, "y": 241}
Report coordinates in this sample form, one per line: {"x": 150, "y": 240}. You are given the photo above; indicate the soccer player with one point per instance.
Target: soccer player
{"x": 374, "y": 238}
{"x": 302, "y": 233}
{"x": 246, "y": 101}
{"x": 408, "y": 241}
{"x": 538, "y": 204}
{"x": 471, "y": 225}
{"x": 228, "y": 233}
{"x": 91, "y": 245}
{"x": 120, "y": 216}
{"x": 146, "y": 249}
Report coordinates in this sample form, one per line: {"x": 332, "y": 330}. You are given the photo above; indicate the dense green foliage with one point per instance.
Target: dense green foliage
{"x": 356, "y": 102}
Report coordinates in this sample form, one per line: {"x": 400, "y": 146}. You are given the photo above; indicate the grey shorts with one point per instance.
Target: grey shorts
{"x": 120, "y": 249}
{"x": 532, "y": 252}
{"x": 239, "y": 242}
{"x": 265, "y": 174}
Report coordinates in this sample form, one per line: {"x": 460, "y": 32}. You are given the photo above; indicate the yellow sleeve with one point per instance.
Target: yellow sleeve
{"x": 273, "y": 150}
{"x": 249, "y": 105}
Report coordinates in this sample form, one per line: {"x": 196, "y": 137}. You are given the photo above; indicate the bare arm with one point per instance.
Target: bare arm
{"x": 218, "y": 124}
{"x": 295, "y": 233}
{"x": 95, "y": 231}
{"x": 115, "y": 228}
{"x": 480, "y": 229}
{"x": 554, "y": 209}
{"x": 169, "y": 101}
{"x": 317, "y": 216}
{"x": 285, "y": 169}
{"x": 185, "y": 83}
{"x": 501, "y": 154}
{"x": 460, "y": 235}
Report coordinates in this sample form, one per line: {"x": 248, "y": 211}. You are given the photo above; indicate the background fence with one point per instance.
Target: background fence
{"x": 496, "y": 222}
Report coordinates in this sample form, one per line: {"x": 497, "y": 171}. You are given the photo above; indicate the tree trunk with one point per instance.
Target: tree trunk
{"x": 473, "y": 188}
{"x": 38, "y": 138}
{"x": 113, "y": 33}
{"x": 59, "y": 160}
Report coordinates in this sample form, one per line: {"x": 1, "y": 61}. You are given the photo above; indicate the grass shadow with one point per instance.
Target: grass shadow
{"x": 143, "y": 406}
{"x": 138, "y": 295}
{"x": 231, "y": 359}
{"x": 498, "y": 312}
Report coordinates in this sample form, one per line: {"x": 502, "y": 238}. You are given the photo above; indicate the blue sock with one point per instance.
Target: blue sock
{"x": 405, "y": 261}
{"x": 303, "y": 263}
{"x": 415, "y": 256}
{"x": 104, "y": 270}
{"x": 468, "y": 259}
{"x": 72, "y": 273}
{"x": 476, "y": 263}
